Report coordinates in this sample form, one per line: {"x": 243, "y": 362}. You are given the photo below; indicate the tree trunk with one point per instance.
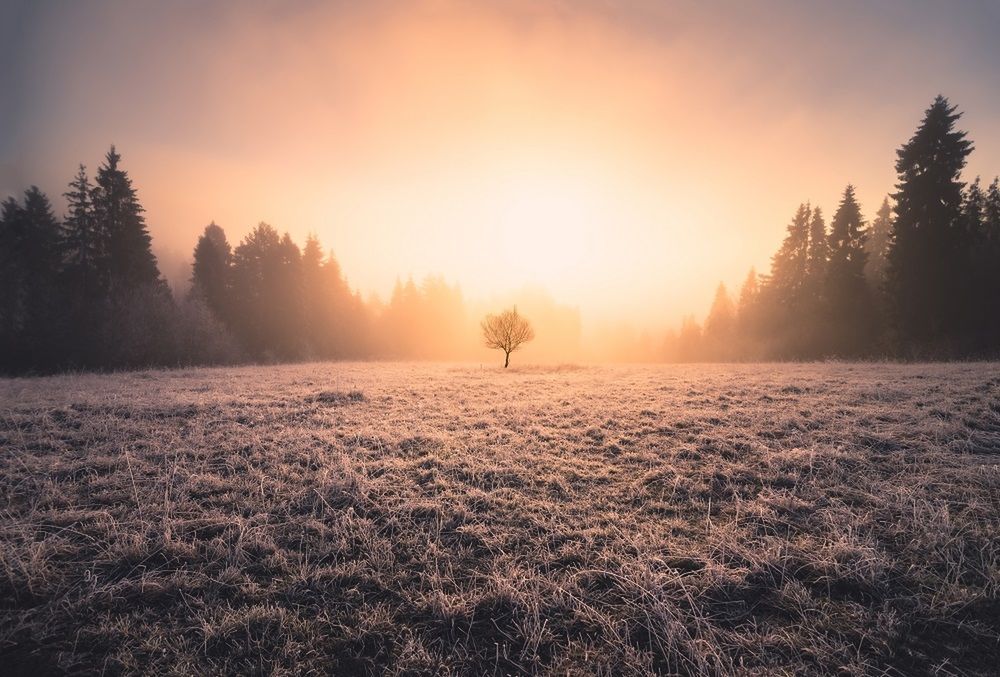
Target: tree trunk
{"x": 506, "y": 360}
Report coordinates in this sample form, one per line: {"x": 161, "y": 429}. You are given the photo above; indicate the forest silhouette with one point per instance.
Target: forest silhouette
{"x": 921, "y": 280}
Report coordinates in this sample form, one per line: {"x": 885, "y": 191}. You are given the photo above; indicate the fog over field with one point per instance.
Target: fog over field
{"x": 449, "y": 519}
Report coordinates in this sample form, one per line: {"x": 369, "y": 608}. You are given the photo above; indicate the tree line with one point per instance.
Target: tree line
{"x": 85, "y": 292}
{"x": 921, "y": 280}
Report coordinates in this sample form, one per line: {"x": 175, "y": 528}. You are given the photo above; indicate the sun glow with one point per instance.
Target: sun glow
{"x": 548, "y": 225}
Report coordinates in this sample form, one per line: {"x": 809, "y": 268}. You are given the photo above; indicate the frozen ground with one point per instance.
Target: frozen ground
{"x": 436, "y": 519}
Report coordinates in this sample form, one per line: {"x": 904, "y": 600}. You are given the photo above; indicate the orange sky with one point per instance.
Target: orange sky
{"x": 625, "y": 156}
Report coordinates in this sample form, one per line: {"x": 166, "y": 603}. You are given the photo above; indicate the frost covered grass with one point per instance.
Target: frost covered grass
{"x": 448, "y": 519}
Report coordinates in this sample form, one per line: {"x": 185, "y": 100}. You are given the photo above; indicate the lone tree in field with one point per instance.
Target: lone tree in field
{"x": 507, "y": 332}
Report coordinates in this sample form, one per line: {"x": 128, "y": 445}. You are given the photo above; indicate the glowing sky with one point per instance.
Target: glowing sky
{"x": 625, "y": 155}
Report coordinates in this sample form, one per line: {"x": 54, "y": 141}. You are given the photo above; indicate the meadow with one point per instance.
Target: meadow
{"x": 465, "y": 520}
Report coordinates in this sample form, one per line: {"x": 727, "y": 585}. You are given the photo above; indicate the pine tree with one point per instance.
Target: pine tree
{"x": 267, "y": 294}
{"x": 82, "y": 255}
{"x": 128, "y": 256}
{"x": 991, "y": 216}
{"x": 210, "y": 271}
{"x": 817, "y": 257}
{"x": 789, "y": 266}
{"x": 42, "y": 231}
{"x": 400, "y": 318}
{"x": 290, "y": 308}
{"x": 990, "y": 308}
{"x": 255, "y": 263}
{"x": 720, "y": 326}
{"x": 349, "y": 330}
{"x": 317, "y": 305}
{"x": 749, "y": 293}
{"x": 847, "y": 235}
{"x": 795, "y": 286}
{"x": 925, "y": 261}
{"x": 979, "y": 282}
{"x": 13, "y": 301}
{"x": 31, "y": 298}
{"x": 690, "y": 346}
{"x": 81, "y": 247}
{"x": 877, "y": 248}
{"x": 748, "y": 315}
{"x": 847, "y": 298}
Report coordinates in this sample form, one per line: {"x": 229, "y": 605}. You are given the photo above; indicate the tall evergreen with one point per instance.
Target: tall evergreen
{"x": 926, "y": 258}
{"x": 317, "y": 308}
{"x": 991, "y": 211}
{"x": 810, "y": 330}
{"x": 290, "y": 307}
{"x": 347, "y": 330}
{"x": 82, "y": 253}
{"x": 749, "y": 292}
{"x": 848, "y": 301}
{"x": 877, "y": 248}
{"x": 980, "y": 283}
{"x": 128, "y": 256}
{"x": 210, "y": 271}
{"x": 81, "y": 243}
{"x": 990, "y": 297}
{"x": 690, "y": 340}
{"x": 817, "y": 256}
{"x": 720, "y": 326}
{"x": 13, "y": 299}
{"x": 790, "y": 264}
{"x": 267, "y": 294}
{"x": 30, "y": 303}
{"x": 748, "y": 315}
{"x": 786, "y": 296}
{"x": 847, "y": 236}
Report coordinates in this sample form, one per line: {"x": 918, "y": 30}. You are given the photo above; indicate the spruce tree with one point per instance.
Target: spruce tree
{"x": 347, "y": 331}
{"x": 790, "y": 264}
{"x": 12, "y": 286}
{"x": 690, "y": 344}
{"x": 817, "y": 258}
{"x": 748, "y": 312}
{"x": 991, "y": 237}
{"x": 786, "y": 297}
{"x": 720, "y": 326}
{"x": 210, "y": 271}
{"x": 82, "y": 255}
{"x": 31, "y": 305}
{"x": 128, "y": 261}
{"x": 748, "y": 293}
{"x": 81, "y": 241}
{"x": 847, "y": 298}
{"x": 926, "y": 258}
{"x": 809, "y": 330}
{"x": 317, "y": 306}
{"x": 991, "y": 216}
{"x": 256, "y": 269}
{"x": 289, "y": 302}
{"x": 877, "y": 248}
{"x": 981, "y": 280}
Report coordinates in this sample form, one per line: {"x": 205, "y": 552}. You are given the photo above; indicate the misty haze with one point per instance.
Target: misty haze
{"x": 499, "y": 338}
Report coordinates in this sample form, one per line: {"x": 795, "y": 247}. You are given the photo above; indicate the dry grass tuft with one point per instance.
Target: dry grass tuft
{"x": 336, "y": 397}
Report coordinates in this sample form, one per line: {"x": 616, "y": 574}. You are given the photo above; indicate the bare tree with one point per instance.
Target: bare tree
{"x": 506, "y": 332}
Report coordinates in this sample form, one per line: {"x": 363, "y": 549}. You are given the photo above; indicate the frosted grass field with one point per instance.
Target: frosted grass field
{"x": 451, "y": 519}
